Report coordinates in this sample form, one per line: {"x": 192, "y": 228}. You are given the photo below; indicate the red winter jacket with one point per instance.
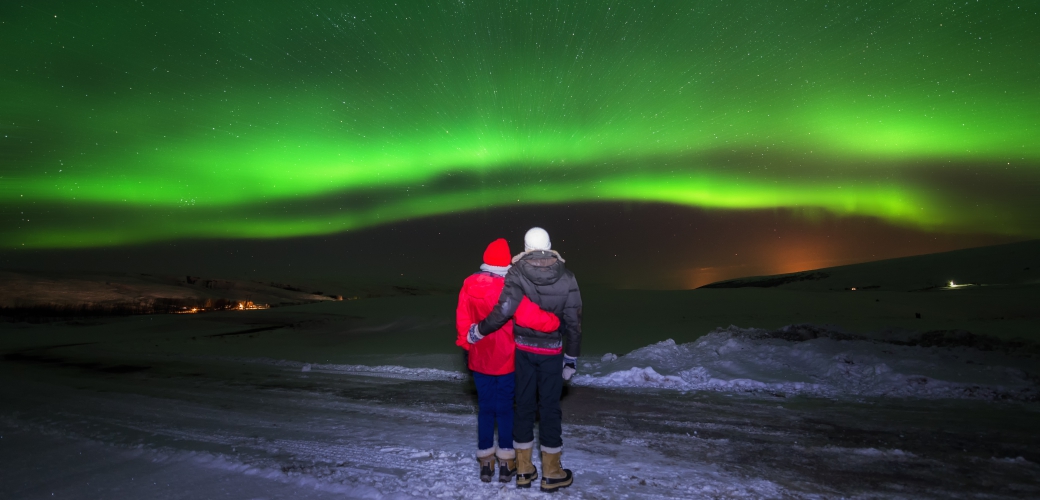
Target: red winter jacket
{"x": 494, "y": 354}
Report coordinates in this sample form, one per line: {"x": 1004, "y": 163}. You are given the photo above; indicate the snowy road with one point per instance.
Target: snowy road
{"x": 78, "y": 422}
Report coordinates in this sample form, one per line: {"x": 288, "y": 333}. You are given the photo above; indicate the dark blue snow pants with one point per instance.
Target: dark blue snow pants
{"x": 495, "y": 399}
{"x": 539, "y": 385}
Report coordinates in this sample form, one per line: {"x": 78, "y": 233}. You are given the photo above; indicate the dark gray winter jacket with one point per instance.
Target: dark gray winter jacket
{"x": 541, "y": 276}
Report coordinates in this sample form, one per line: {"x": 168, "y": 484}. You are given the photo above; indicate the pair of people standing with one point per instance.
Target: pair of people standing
{"x": 520, "y": 320}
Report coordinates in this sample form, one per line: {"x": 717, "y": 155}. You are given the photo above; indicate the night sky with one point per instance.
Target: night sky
{"x": 855, "y": 130}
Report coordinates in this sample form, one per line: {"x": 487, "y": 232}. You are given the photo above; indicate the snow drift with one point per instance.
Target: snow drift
{"x": 810, "y": 360}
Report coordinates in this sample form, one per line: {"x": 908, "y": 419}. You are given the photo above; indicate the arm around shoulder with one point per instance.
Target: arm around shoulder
{"x": 529, "y": 315}
{"x": 508, "y": 301}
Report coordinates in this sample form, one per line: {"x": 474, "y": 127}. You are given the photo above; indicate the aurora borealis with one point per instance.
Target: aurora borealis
{"x": 130, "y": 122}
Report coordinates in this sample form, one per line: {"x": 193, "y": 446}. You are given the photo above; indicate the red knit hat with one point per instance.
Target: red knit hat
{"x": 497, "y": 253}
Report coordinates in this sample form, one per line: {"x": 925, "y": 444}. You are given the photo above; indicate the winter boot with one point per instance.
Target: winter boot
{"x": 525, "y": 471}
{"x": 554, "y": 476}
{"x": 506, "y": 465}
{"x": 487, "y": 464}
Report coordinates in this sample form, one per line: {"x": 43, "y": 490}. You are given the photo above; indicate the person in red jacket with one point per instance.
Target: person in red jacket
{"x": 491, "y": 357}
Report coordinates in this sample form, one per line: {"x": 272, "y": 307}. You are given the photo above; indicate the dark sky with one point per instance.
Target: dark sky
{"x": 694, "y": 140}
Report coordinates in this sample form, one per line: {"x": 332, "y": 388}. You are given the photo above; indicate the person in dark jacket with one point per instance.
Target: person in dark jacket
{"x": 491, "y": 358}
{"x": 543, "y": 360}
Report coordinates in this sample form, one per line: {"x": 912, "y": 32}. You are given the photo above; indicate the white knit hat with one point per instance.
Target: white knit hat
{"x": 536, "y": 239}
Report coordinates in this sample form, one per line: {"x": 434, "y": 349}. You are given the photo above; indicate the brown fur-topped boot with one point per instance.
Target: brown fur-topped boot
{"x": 525, "y": 471}
{"x": 554, "y": 476}
{"x": 487, "y": 464}
{"x": 506, "y": 465}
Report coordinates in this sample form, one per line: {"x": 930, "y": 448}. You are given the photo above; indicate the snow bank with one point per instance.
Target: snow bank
{"x": 810, "y": 360}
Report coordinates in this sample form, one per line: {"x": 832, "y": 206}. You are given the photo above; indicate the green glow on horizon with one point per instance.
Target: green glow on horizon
{"x": 197, "y": 120}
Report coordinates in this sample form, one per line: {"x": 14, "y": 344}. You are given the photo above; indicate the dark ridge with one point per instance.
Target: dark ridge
{"x": 410, "y": 290}
{"x": 284, "y": 286}
{"x": 59, "y": 346}
{"x": 122, "y": 369}
{"x": 807, "y": 331}
{"x": 961, "y": 338}
{"x": 769, "y": 281}
{"x": 248, "y": 331}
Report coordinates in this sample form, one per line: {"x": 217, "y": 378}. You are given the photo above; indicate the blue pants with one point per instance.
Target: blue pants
{"x": 495, "y": 398}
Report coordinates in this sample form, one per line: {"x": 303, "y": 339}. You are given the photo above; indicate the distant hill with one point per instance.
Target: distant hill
{"x": 1005, "y": 265}
{"x": 139, "y": 292}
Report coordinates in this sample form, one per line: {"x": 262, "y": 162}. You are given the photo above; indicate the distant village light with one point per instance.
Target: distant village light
{"x": 237, "y": 306}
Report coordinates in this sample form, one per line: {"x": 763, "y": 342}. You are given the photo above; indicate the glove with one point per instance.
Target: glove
{"x": 570, "y": 367}
{"x": 474, "y": 334}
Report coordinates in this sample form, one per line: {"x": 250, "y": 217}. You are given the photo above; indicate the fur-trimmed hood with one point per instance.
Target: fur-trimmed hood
{"x": 542, "y": 267}
{"x": 529, "y": 252}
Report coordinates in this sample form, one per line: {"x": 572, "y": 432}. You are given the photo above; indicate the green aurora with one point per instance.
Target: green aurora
{"x": 130, "y": 122}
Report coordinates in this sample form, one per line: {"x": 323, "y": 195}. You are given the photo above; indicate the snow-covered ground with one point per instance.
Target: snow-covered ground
{"x": 222, "y": 406}
{"x": 259, "y": 428}
{"x": 806, "y": 359}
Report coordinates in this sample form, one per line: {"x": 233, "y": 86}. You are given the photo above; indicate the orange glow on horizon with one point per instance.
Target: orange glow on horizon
{"x": 783, "y": 258}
